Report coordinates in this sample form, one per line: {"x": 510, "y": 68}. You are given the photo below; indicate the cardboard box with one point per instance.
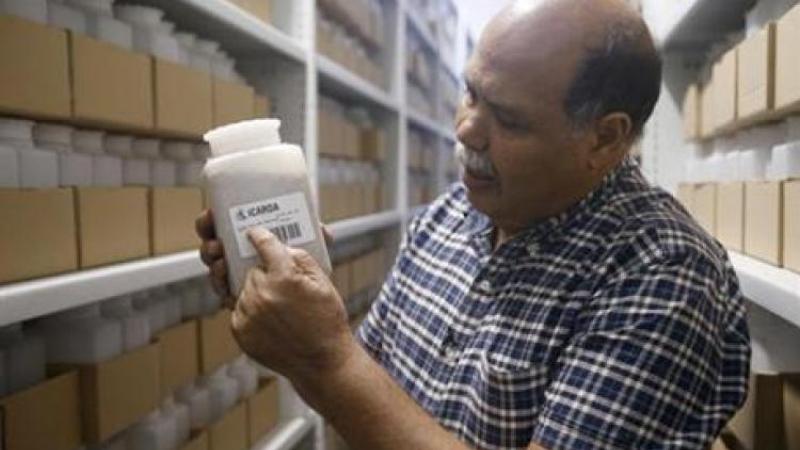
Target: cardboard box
{"x": 178, "y": 359}
{"x": 113, "y": 225}
{"x": 111, "y": 86}
{"x": 230, "y": 432}
{"x": 262, "y": 107}
{"x": 373, "y": 144}
{"x": 263, "y": 411}
{"x": 217, "y": 344}
{"x": 34, "y": 76}
{"x": 117, "y": 393}
{"x": 756, "y": 72}
{"x": 791, "y": 225}
{"x": 730, "y": 215}
{"x": 725, "y": 112}
{"x": 764, "y": 221}
{"x": 791, "y": 410}
{"x": 172, "y": 215}
{"x": 183, "y": 99}
{"x": 33, "y": 244}
{"x": 705, "y": 205}
{"x": 199, "y": 442}
{"x": 232, "y": 102}
{"x": 707, "y": 117}
{"x": 691, "y": 113}
{"x": 759, "y": 424}
{"x": 685, "y": 196}
{"x": 46, "y": 416}
{"x": 787, "y": 64}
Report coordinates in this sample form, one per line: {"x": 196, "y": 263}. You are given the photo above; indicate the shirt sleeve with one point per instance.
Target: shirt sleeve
{"x": 659, "y": 360}
{"x": 371, "y": 331}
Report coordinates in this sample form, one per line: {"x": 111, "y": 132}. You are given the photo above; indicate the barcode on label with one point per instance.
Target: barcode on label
{"x": 287, "y": 232}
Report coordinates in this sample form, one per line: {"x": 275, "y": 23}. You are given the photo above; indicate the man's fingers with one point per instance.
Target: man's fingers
{"x": 211, "y": 251}
{"x": 274, "y": 255}
{"x": 204, "y": 225}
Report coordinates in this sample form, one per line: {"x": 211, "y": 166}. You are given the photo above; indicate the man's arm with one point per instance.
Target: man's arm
{"x": 329, "y": 369}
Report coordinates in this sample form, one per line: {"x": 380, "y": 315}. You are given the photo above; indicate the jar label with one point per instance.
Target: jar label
{"x": 287, "y": 217}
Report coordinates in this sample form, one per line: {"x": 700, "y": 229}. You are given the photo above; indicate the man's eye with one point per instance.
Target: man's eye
{"x": 510, "y": 124}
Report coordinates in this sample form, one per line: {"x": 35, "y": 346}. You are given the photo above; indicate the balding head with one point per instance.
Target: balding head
{"x": 606, "y": 46}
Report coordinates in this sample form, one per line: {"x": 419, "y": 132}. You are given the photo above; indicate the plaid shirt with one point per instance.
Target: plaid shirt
{"x": 618, "y": 324}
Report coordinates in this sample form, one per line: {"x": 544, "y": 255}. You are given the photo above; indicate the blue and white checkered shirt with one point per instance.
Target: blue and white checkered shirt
{"x": 618, "y": 324}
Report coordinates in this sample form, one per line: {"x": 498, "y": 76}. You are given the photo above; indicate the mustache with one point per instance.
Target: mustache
{"x": 476, "y": 161}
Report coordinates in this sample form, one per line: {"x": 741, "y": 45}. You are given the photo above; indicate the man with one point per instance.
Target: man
{"x": 553, "y": 300}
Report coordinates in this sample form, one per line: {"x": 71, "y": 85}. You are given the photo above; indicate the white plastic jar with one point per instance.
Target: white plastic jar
{"x": 74, "y": 169}
{"x": 223, "y": 392}
{"x": 245, "y": 374}
{"x": 254, "y": 180}
{"x": 101, "y": 24}
{"x": 156, "y": 432}
{"x": 149, "y": 36}
{"x": 154, "y": 308}
{"x": 188, "y": 170}
{"x": 106, "y": 167}
{"x": 211, "y": 302}
{"x": 172, "y": 305}
{"x": 81, "y": 336}
{"x": 198, "y": 400}
{"x": 24, "y": 358}
{"x": 67, "y": 17}
{"x": 180, "y": 414}
{"x": 135, "y": 324}
{"x": 33, "y": 10}
{"x": 135, "y": 170}
{"x": 36, "y": 168}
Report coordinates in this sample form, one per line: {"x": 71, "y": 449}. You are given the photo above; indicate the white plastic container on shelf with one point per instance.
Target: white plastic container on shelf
{"x": 191, "y": 296}
{"x": 172, "y": 305}
{"x": 205, "y": 52}
{"x": 179, "y": 413}
{"x": 198, "y": 400}
{"x": 753, "y": 164}
{"x": 9, "y": 166}
{"x": 197, "y": 58}
{"x": 785, "y": 162}
{"x": 189, "y": 171}
{"x": 106, "y": 167}
{"x": 135, "y": 324}
{"x": 211, "y": 301}
{"x": 223, "y": 67}
{"x": 81, "y": 336}
{"x": 24, "y": 358}
{"x": 254, "y": 180}
{"x": 223, "y": 392}
{"x": 731, "y": 166}
{"x": 245, "y": 374}
{"x": 75, "y": 169}
{"x": 155, "y": 309}
{"x": 148, "y": 35}
{"x": 37, "y": 168}
{"x": 67, "y": 17}
{"x": 186, "y": 43}
{"x": 101, "y": 24}
{"x": 135, "y": 170}
{"x": 164, "y": 173}
{"x": 156, "y": 432}
{"x": 33, "y": 10}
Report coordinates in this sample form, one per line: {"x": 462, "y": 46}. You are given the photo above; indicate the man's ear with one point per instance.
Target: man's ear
{"x": 613, "y": 134}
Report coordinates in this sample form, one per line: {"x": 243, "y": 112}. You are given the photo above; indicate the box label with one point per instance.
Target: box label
{"x": 287, "y": 217}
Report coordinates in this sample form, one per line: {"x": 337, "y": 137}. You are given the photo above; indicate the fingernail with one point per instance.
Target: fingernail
{"x": 258, "y": 232}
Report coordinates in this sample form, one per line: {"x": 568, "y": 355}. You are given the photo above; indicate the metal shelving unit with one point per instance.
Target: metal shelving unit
{"x": 280, "y": 59}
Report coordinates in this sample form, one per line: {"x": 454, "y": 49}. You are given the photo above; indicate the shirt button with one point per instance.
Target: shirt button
{"x": 533, "y": 249}
{"x": 485, "y": 285}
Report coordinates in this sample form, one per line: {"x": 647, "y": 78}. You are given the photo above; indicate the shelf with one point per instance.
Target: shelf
{"x": 348, "y": 228}
{"x": 423, "y": 32}
{"x": 773, "y": 288}
{"x": 29, "y": 299}
{"x": 347, "y": 84}
{"x": 421, "y": 121}
{"x": 239, "y": 32}
{"x": 287, "y": 436}
{"x": 694, "y": 25}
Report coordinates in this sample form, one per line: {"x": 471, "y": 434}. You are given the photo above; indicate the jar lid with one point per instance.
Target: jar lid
{"x": 50, "y": 133}
{"x": 145, "y": 16}
{"x": 179, "y": 151}
{"x": 146, "y": 148}
{"x": 245, "y": 135}
{"x": 88, "y": 141}
{"x": 16, "y": 129}
{"x": 119, "y": 145}
{"x": 186, "y": 39}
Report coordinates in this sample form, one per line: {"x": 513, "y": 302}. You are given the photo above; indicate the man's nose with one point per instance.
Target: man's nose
{"x": 471, "y": 128}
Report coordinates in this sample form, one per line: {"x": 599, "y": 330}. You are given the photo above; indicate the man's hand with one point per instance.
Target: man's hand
{"x": 213, "y": 256}
{"x": 289, "y": 316}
